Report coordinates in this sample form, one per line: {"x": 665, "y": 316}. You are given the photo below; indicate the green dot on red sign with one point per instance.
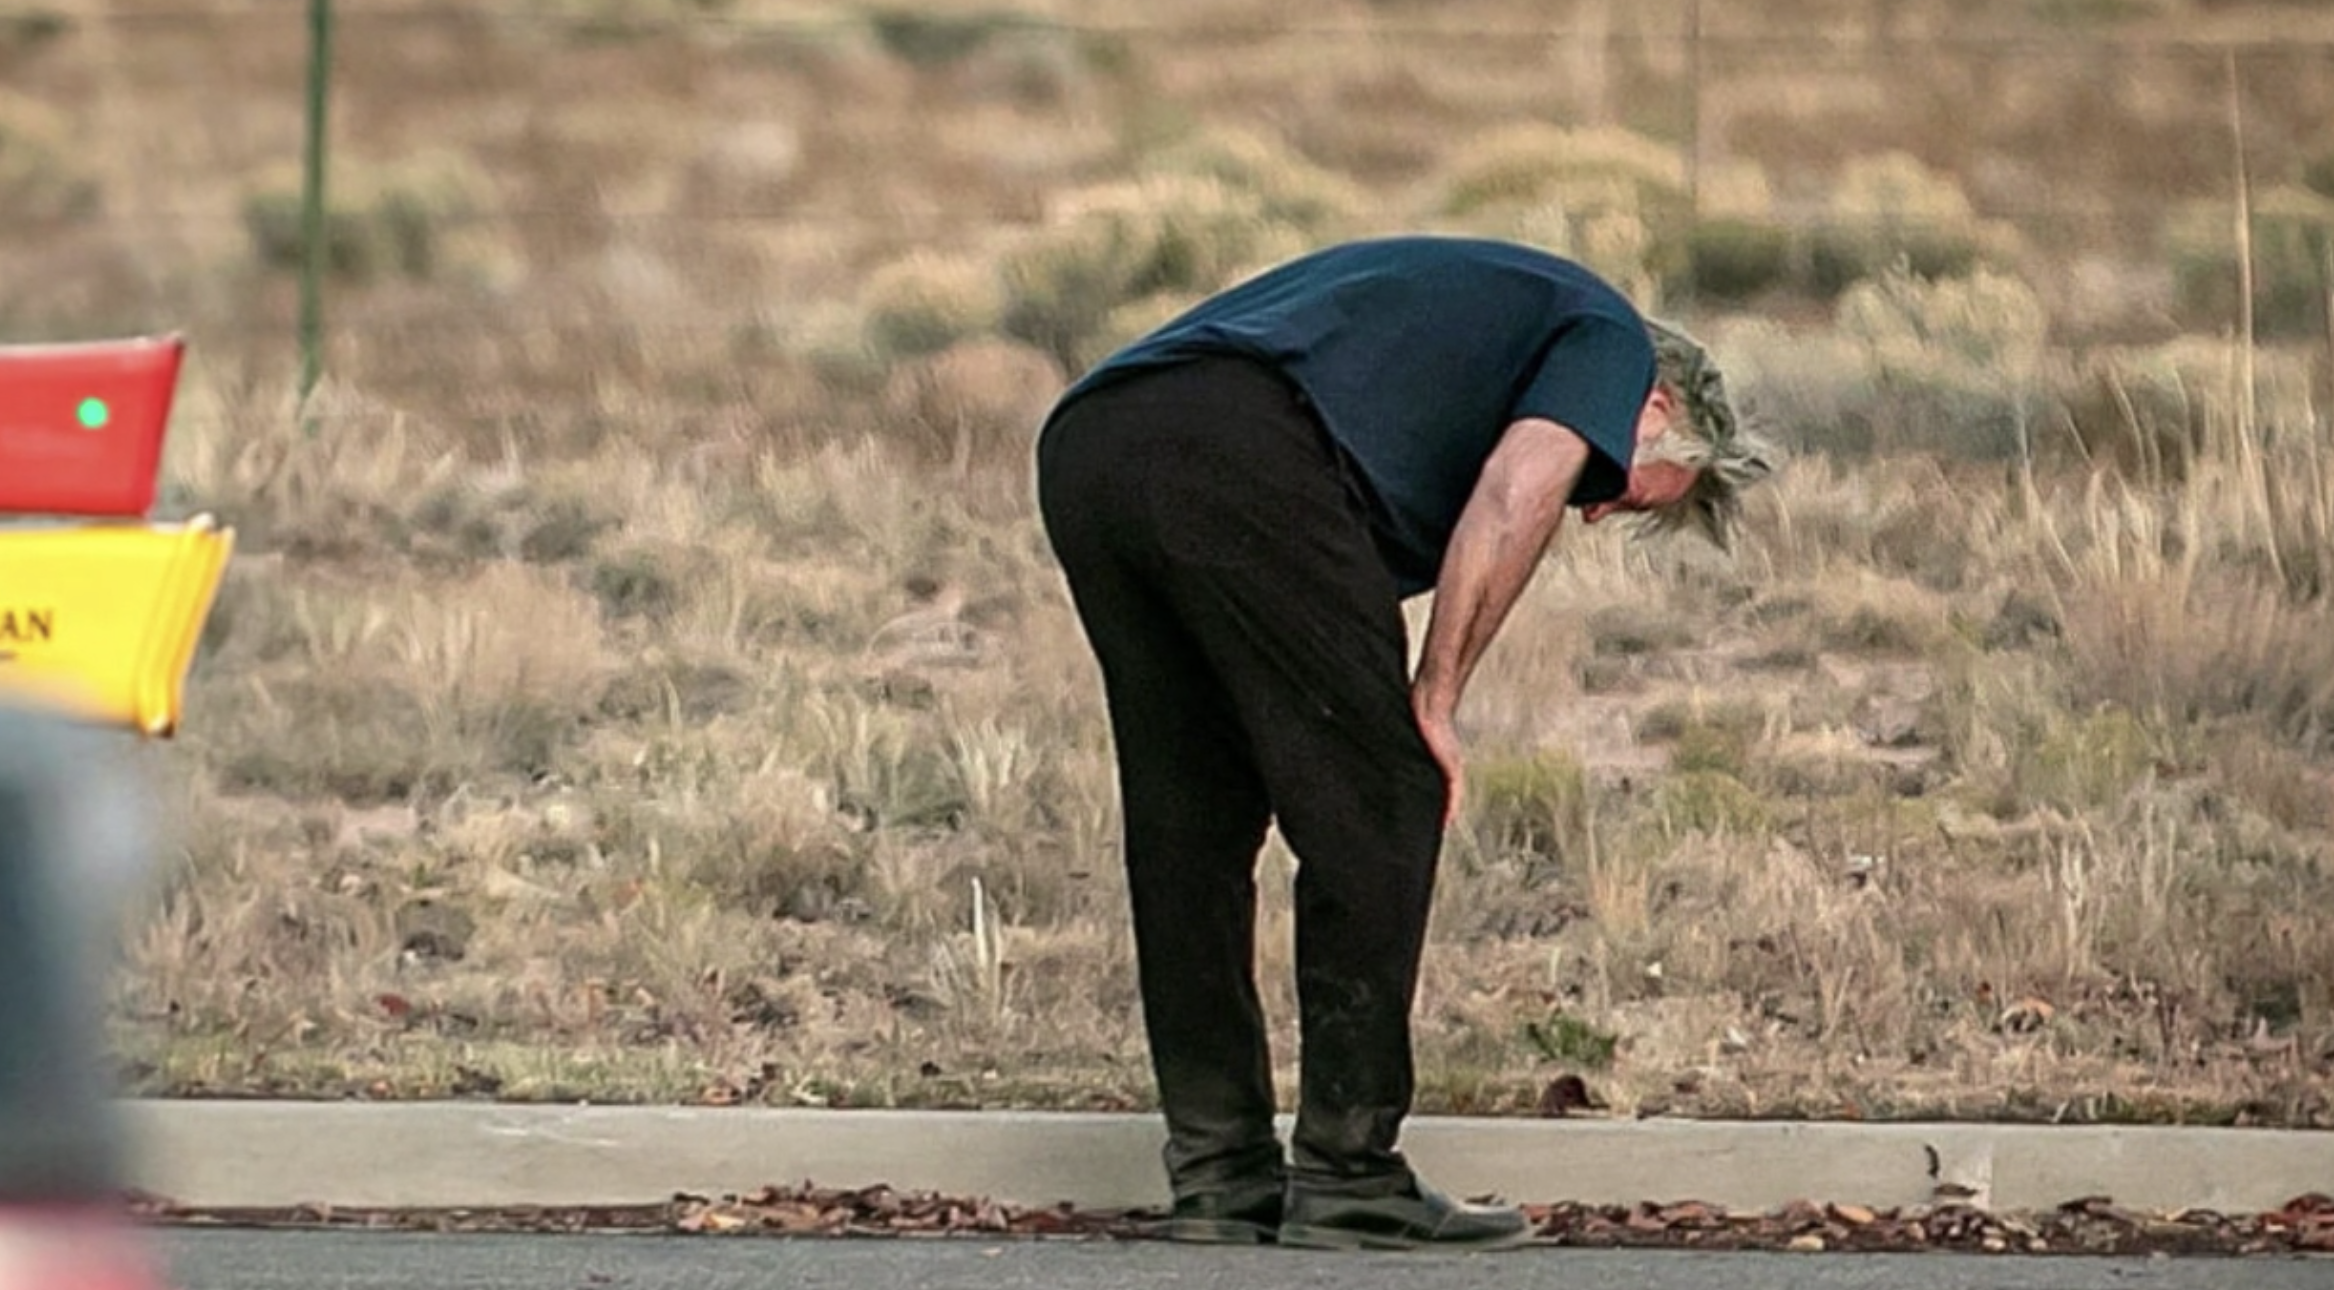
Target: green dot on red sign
{"x": 94, "y": 414}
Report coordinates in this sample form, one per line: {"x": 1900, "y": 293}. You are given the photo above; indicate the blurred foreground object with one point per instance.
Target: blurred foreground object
{"x": 101, "y": 621}
{"x": 100, "y": 610}
{"x": 73, "y": 853}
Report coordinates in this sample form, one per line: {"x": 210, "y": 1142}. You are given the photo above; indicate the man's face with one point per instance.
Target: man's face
{"x": 1654, "y": 482}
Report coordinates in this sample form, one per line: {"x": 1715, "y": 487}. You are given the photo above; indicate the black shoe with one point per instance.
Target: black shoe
{"x": 1416, "y": 1218}
{"x": 1243, "y": 1216}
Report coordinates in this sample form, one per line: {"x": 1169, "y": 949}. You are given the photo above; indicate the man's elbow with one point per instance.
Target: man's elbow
{"x": 1539, "y": 478}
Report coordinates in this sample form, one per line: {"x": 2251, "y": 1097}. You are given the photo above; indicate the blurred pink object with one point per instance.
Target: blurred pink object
{"x": 73, "y": 1249}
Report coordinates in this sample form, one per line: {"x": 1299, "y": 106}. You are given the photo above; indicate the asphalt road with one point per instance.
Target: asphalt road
{"x": 238, "y": 1260}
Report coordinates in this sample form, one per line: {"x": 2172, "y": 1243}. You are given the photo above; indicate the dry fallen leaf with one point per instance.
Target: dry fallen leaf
{"x": 2091, "y": 1226}
{"x": 1692, "y": 1214}
{"x": 1801, "y": 1215}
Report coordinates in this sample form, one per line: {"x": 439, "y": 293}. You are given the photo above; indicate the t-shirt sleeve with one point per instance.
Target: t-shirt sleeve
{"x": 1594, "y": 378}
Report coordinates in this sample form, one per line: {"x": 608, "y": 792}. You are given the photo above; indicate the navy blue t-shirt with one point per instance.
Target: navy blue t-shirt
{"x": 1418, "y": 352}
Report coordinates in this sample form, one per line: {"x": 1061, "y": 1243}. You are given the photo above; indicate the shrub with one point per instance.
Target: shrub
{"x": 358, "y": 739}
{"x": 1623, "y": 245}
{"x": 1112, "y": 246}
{"x": 1814, "y": 388}
{"x": 829, "y": 338}
{"x": 603, "y": 19}
{"x": 1734, "y": 258}
{"x": 2087, "y": 762}
{"x": 2142, "y": 414}
{"x": 636, "y": 583}
{"x": 2080, "y": 12}
{"x": 2158, "y": 412}
{"x": 40, "y": 179}
{"x": 380, "y": 221}
{"x": 930, "y": 39}
{"x": 1034, "y": 66}
{"x": 977, "y": 403}
{"x": 1712, "y": 746}
{"x": 2317, "y": 174}
{"x": 1734, "y": 247}
{"x": 1136, "y": 318}
{"x": 1062, "y": 285}
{"x": 2188, "y": 653}
{"x": 1734, "y": 189}
{"x": 689, "y": 691}
{"x": 1121, "y": 258}
{"x": 2293, "y": 234}
{"x": 1537, "y": 163}
{"x": 1991, "y": 320}
{"x": 1710, "y": 801}
{"x": 1613, "y": 199}
{"x": 1952, "y": 367}
{"x": 1568, "y": 1040}
{"x": 1286, "y": 185}
{"x": 1629, "y": 628}
{"x": 561, "y": 529}
{"x": 1879, "y": 629}
{"x": 1893, "y": 208}
{"x": 458, "y": 523}
{"x": 1537, "y": 805}
{"x": 924, "y": 303}
{"x": 1958, "y": 359}
{"x": 2293, "y": 252}
{"x": 26, "y": 30}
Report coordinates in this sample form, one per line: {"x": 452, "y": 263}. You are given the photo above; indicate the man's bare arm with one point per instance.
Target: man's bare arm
{"x": 1514, "y": 512}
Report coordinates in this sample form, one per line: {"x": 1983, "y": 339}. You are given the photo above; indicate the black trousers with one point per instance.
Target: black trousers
{"x": 1254, "y": 659}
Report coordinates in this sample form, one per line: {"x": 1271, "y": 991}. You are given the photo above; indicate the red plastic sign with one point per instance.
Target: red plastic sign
{"x": 82, "y": 424}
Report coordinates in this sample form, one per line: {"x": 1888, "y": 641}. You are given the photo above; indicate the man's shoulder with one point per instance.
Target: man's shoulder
{"x": 1451, "y": 249}
{"x": 1451, "y": 258}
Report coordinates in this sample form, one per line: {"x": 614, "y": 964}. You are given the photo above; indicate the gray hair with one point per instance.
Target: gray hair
{"x": 1729, "y": 455}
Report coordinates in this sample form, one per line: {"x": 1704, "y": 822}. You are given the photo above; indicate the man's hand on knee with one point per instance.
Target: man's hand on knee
{"x": 1440, "y": 728}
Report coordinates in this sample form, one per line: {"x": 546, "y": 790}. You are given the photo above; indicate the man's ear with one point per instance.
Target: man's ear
{"x": 1653, "y": 421}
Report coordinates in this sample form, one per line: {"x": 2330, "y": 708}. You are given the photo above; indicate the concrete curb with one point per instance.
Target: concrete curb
{"x": 461, "y": 1154}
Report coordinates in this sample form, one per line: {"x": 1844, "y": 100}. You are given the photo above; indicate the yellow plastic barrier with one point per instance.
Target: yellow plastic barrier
{"x": 101, "y": 620}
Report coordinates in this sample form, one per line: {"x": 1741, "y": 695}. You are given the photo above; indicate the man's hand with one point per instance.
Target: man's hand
{"x": 1441, "y": 732}
{"x": 1508, "y": 522}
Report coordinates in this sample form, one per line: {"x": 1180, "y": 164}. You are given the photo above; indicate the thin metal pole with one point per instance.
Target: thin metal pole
{"x": 312, "y": 206}
{"x": 2245, "y": 283}
{"x": 1694, "y": 74}
{"x": 1694, "y": 107}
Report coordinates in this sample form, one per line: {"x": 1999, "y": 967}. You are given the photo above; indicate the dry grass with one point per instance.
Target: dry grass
{"x": 651, "y": 682}
{"x": 791, "y": 784}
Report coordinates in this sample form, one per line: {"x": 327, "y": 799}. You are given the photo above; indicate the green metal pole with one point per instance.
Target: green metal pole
{"x": 312, "y": 206}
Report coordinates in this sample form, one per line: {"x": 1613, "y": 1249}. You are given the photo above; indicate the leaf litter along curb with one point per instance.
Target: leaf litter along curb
{"x": 2093, "y": 1226}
